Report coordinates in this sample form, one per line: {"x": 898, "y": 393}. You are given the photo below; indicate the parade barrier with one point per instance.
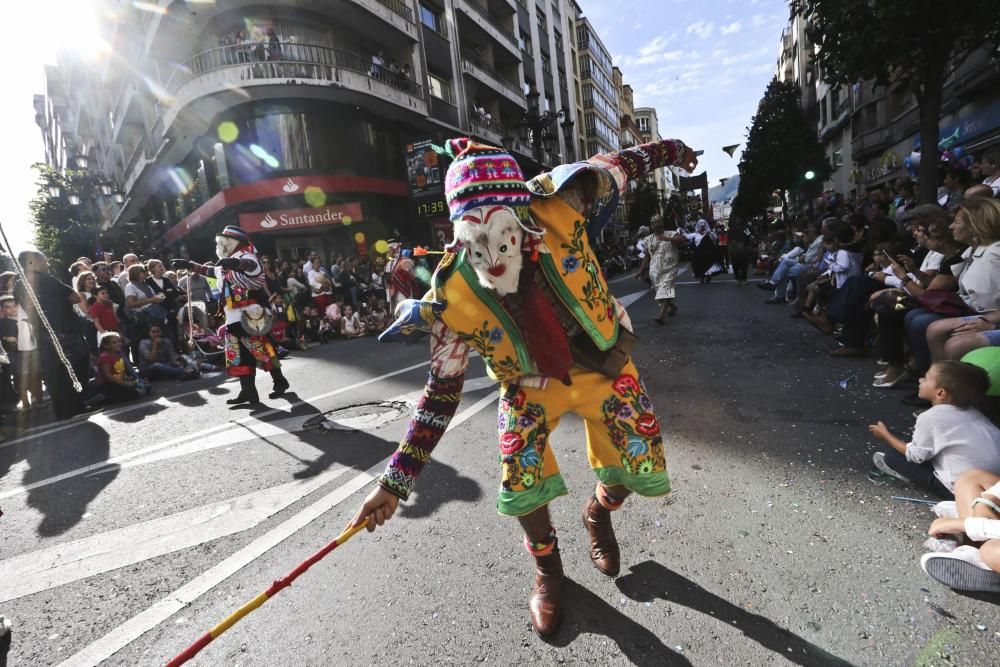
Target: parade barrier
{"x": 276, "y": 586}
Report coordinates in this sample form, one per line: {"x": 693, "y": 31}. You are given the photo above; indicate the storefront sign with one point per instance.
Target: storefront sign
{"x": 298, "y": 218}
{"x": 423, "y": 168}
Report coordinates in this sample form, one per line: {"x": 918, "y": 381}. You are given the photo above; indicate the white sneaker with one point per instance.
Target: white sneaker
{"x": 878, "y": 458}
{"x": 881, "y": 362}
{"x": 946, "y": 509}
{"x": 962, "y": 570}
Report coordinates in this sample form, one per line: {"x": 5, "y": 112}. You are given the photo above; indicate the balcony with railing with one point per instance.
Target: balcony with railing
{"x": 473, "y": 65}
{"x": 490, "y": 23}
{"x": 484, "y": 125}
{"x": 234, "y": 72}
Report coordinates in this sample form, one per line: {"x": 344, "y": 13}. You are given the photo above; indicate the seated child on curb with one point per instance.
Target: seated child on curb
{"x": 949, "y": 438}
{"x": 976, "y": 514}
{"x": 113, "y": 379}
{"x": 351, "y": 325}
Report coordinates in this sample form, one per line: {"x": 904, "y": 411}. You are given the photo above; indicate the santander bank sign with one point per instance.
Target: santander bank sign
{"x": 298, "y": 218}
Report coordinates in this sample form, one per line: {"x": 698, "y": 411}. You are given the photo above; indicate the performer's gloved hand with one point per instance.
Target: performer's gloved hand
{"x": 378, "y": 508}
{"x": 228, "y": 263}
{"x": 181, "y": 263}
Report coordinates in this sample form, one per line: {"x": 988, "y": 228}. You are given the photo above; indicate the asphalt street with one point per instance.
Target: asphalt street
{"x": 128, "y": 534}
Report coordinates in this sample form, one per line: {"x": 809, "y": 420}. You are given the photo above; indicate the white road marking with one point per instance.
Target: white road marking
{"x": 127, "y": 632}
{"x": 200, "y": 434}
{"x": 629, "y": 299}
{"x": 68, "y": 562}
{"x": 714, "y": 282}
{"x": 243, "y": 432}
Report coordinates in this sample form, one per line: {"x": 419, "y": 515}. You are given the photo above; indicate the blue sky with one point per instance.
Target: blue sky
{"x": 703, "y": 66}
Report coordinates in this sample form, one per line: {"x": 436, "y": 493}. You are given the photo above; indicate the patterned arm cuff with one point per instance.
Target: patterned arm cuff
{"x": 640, "y": 160}
{"x": 430, "y": 420}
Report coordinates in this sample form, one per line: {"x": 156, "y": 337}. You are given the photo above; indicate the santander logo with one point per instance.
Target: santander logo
{"x": 289, "y": 186}
{"x": 268, "y": 222}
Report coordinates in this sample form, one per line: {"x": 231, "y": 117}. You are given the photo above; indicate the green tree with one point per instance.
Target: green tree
{"x": 63, "y": 231}
{"x": 781, "y": 148}
{"x": 915, "y": 41}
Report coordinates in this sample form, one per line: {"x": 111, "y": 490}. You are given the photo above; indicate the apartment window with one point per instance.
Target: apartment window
{"x": 439, "y": 88}
{"x": 524, "y": 41}
{"x": 822, "y": 112}
{"x": 546, "y": 64}
{"x": 542, "y": 26}
{"x": 834, "y": 100}
{"x": 550, "y": 104}
{"x": 838, "y": 158}
{"x": 430, "y": 18}
{"x": 559, "y": 42}
{"x": 555, "y": 10}
{"x": 643, "y": 123}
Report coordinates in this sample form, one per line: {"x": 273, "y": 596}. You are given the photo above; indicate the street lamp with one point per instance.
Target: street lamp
{"x": 810, "y": 175}
{"x": 73, "y": 199}
{"x": 55, "y": 191}
{"x": 82, "y": 161}
{"x": 536, "y": 128}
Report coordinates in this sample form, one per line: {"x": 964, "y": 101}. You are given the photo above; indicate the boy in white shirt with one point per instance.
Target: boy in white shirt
{"x": 949, "y": 438}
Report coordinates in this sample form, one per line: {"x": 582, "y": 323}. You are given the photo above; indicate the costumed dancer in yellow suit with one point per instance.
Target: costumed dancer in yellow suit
{"x": 521, "y": 285}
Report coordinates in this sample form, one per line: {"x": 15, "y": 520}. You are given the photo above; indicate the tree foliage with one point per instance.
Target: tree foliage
{"x": 781, "y": 147}
{"x": 63, "y": 231}
{"x": 914, "y": 41}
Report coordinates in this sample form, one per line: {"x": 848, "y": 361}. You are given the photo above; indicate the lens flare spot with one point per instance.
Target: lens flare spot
{"x": 314, "y": 196}
{"x": 359, "y": 237}
{"x": 180, "y": 179}
{"x": 381, "y": 247}
{"x": 261, "y": 153}
{"x": 150, "y": 7}
{"x": 228, "y": 131}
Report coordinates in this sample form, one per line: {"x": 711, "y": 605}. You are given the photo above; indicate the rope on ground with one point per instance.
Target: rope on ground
{"x": 41, "y": 314}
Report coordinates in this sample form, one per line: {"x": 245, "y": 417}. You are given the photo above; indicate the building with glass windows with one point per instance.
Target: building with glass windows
{"x": 600, "y": 99}
{"x": 309, "y": 125}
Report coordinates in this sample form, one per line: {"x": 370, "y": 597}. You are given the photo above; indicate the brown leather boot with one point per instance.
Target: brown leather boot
{"x": 603, "y": 544}
{"x": 545, "y": 603}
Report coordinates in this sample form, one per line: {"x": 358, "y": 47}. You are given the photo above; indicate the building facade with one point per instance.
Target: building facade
{"x": 600, "y": 99}
{"x": 309, "y": 126}
{"x": 869, "y": 130}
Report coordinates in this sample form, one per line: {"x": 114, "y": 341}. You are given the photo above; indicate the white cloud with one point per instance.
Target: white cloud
{"x": 703, "y": 29}
{"x": 758, "y": 20}
{"x": 731, "y": 28}
{"x": 653, "y": 47}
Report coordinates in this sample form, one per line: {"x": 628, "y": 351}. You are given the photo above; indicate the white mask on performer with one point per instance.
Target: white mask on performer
{"x": 492, "y": 238}
{"x": 225, "y": 246}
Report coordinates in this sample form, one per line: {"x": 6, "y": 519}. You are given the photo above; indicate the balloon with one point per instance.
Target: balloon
{"x": 987, "y": 358}
{"x": 958, "y": 152}
{"x": 381, "y": 247}
{"x": 911, "y": 166}
{"x": 915, "y": 158}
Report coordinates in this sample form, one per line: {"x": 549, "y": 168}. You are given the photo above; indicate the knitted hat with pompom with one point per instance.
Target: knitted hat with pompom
{"x": 483, "y": 175}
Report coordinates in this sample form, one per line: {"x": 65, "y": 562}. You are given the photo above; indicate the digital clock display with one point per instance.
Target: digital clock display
{"x": 430, "y": 208}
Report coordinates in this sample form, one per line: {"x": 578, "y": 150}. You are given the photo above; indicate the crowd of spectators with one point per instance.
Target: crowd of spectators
{"x": 125, "y": 324}
{"x": 917, "y": 287}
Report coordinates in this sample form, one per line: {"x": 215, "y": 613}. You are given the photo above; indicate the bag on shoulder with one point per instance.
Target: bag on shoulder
{"x": 944, "y": 302}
